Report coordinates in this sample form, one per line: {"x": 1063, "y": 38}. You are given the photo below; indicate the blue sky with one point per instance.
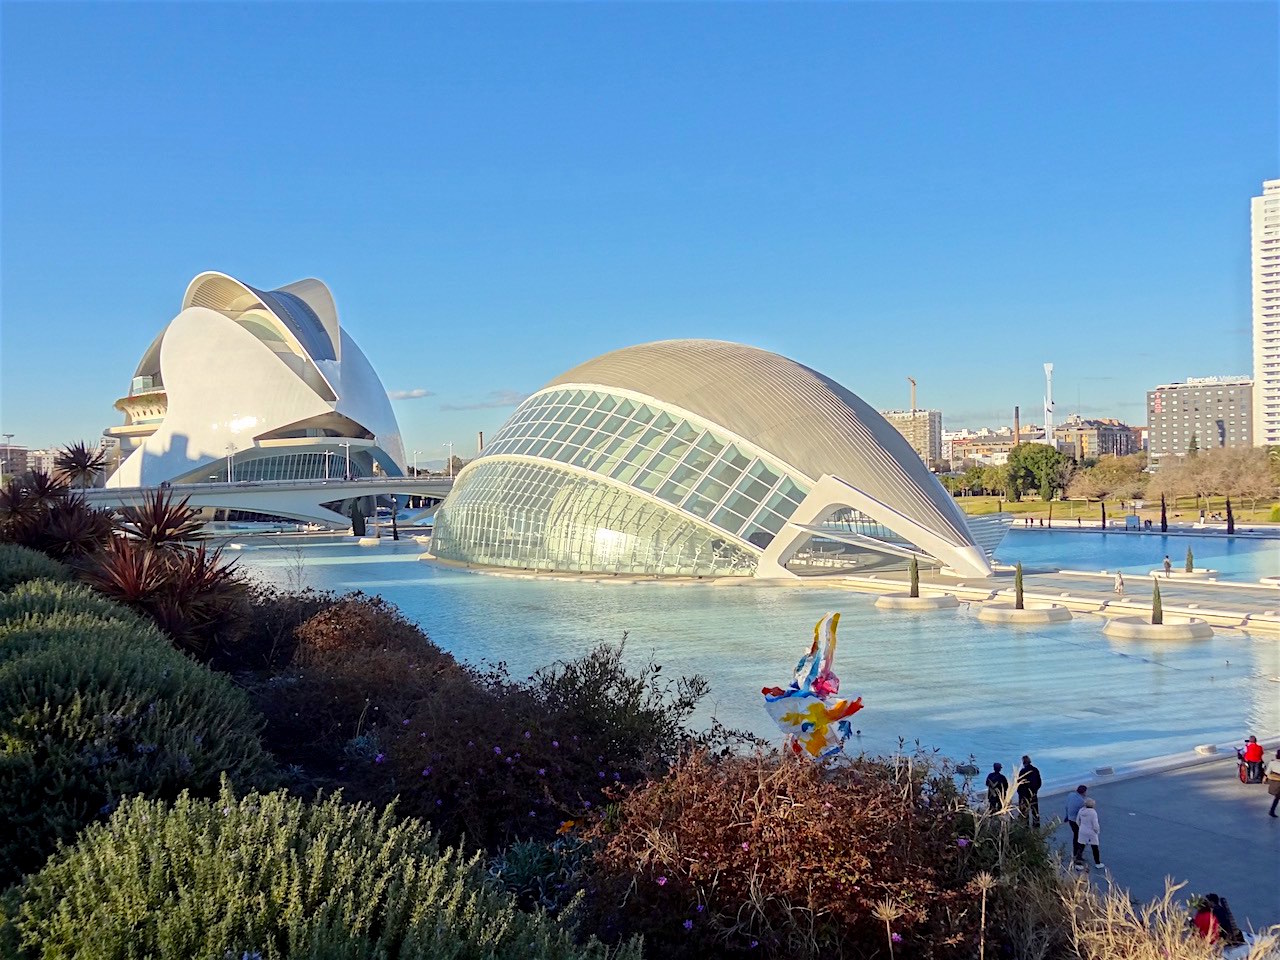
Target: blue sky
{"x": 956, "y": 192}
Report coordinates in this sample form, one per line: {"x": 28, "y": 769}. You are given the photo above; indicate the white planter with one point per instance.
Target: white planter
{"x": 904, "y": 601}
{"x": 369, "y": 541}
{"x": 1198, "y": 573}
{"x": 1173, "y": 628}
{"x": 1033, "y": 612}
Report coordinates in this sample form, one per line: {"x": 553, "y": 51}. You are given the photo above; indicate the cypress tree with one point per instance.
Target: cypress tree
{"x": 1231, "y": 518}
{"x": 1157, "y": 611}
{"x": 1164, "y": 516}
{"x": 915, "y": 577}
{"x": 1017, "y": 586}
{"x": 1191, "y": 561}
{"x": 357, "y": 519}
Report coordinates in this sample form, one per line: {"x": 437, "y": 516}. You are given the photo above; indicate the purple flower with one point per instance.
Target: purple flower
{"x": 380, "y": 758}
{"x": 426, "y": 771}
{"x": 439, "y": 803}
{"x": 498, "y": 751}
{"x": 527, "y": 734}
{"x": 662, "y": 881}
{"x": 746, "y": 846}
{"x": 896, "y": 938}
{"x": 542, "y": 771}
{"x": 556, "y": 744}
{"x": 688, "y": 924}
{"x": 754, "y": 944}
{"x": 404, "y": 722}
{"x": 962, "y": 842}
{"x": 701, "y": 907}
{"x": 600, "y": 774}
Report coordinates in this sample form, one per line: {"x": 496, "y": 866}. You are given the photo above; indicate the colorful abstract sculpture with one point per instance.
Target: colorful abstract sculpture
{"x": 815, "y": 721}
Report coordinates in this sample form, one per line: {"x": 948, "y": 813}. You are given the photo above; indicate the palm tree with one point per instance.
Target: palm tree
{"x": 79, "y": 465}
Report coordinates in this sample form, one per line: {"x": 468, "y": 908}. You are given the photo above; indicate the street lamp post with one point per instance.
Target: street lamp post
{"x": 231, "y": 449}
{"x": 8, "y": 454}
{"x": 327, "y": 455}
{"x": 347, "y": 445}
{"x": 415, "y": 462}
{"x": 450, "y": 446}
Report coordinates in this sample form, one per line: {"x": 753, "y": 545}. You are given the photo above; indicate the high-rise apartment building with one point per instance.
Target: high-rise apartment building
{"x": 1265, "y": 255}
{"x": 1211, "y": 411}
{"x": 1080, "y": 438}
{"x": 923, "y": 430}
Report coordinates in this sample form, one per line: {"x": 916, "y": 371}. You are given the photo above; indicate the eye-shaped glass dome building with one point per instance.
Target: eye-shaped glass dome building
{"x": 700, "y": 458}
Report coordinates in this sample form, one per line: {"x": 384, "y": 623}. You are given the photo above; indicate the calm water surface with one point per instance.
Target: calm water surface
{"x": 1067, "y": 695}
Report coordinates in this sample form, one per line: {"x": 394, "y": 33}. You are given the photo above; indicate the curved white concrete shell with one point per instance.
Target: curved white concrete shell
{"x": 261, "y": 385}
{"x": 699, "y": 457}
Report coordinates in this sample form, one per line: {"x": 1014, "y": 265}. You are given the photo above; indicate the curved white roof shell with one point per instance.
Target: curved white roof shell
{"x": 261, "y": 374}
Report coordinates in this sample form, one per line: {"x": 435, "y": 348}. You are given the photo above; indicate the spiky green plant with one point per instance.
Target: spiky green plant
{"x": 78, "y": 464}
{"x": 1157, "y": 610}
{"x": 267, "y": 875}
{"x": 1191, "y": 561}
{"x": 1017, "y": 586}
{"x": 914, "y": 572}
{"x": 162, "y": 523}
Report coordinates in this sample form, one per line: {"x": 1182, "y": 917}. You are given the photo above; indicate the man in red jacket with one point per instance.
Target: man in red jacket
{"x": 1252, "y": 758}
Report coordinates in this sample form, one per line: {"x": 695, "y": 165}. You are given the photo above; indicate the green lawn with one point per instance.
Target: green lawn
{"x": 1184, "y": 511}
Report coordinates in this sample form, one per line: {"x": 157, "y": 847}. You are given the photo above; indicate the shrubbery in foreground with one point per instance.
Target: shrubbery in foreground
{"x": 269, "y": 876}
{"x": 95, "y": 704}
{"x": 19, "y": 564}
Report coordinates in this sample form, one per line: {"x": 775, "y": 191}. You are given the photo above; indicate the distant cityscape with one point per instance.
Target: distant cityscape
{"x": 1199, "y": 413}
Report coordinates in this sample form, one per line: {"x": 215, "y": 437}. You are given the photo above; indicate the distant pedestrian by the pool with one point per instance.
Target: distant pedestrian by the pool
{"x": 1119, "y": 587}
{"x": 997, "y": 786}
{"x": 1075, "y": 803}
{"x": 1029, "y": 792}
{"x": 1273, "y": 782}
{"x": 1168, "y": 566}
{"x": 1090, "y": 831}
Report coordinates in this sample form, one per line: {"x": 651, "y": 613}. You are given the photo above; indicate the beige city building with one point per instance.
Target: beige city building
{"x": 923, "y": 430}
{"x": 1080, "y": 438}
{"x": 1265, "y": 255}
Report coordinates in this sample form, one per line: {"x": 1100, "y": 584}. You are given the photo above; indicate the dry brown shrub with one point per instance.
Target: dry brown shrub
{"x": 358, "y": 623}
{"x": 785, "y": 858}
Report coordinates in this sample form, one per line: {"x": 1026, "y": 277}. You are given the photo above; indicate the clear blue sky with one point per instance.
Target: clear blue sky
{"x": 956, "y": 192}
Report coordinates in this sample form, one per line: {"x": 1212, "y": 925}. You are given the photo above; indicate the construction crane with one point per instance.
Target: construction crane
{"x": 911, "y": 380}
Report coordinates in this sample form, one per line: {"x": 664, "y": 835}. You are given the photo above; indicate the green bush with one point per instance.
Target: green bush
{"x": 269, "y": 876}
{"x": 92, "y": 710}
{"x": 19, "y": 564}
{"x": 41, "y": 597}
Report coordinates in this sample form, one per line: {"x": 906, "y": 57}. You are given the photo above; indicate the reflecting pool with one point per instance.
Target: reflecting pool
{"x": 1071, "y": 698}
{"x": 1235, "y": 558}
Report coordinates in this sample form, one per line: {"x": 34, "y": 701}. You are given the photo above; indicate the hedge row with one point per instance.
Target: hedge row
{"x": 19, "y": 564}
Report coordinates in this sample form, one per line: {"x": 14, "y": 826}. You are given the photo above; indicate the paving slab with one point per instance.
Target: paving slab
{"x": 1197, "y": 824}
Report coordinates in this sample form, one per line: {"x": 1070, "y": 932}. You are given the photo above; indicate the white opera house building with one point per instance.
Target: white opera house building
{"x": 702, "y": 458}
{"x": 254, "y": 385}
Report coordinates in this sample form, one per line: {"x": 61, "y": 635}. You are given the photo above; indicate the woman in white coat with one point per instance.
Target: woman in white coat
{"x": 1089, "y": 830}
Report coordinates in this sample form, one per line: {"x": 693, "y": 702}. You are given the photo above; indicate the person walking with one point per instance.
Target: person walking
{"x": 1090, "y": 832}
{"x": 1168, "y": 567}
{"x": 1119, "y": 586}
{"x": 1075, "y": 803}
{"x": 997, "y": 787}
{"x": 1273, "y": 783}
{"x": 1029, "y": 792}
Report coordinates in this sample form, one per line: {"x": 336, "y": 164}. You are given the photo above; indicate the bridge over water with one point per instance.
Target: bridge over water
{"x": 302, "y": 500}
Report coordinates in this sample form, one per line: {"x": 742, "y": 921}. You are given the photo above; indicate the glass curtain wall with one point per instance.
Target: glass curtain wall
{"x": 509, "y": 513}
{"x": 659, "y": 451}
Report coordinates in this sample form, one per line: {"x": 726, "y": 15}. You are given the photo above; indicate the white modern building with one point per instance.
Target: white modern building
{"x": 700, "y": 458}
{"x": 254, "y": 385}
{"x": 1265, "y": 256}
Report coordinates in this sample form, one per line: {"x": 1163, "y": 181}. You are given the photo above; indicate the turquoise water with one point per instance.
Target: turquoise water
{"x": 1235, "y": 558}
{"x": 1071, "y": 698}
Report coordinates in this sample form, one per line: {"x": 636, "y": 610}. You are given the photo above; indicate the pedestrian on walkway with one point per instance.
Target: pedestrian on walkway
{"x": 1273, "y": 782}
{"x": 1119, "y": 587}
{"x": 1075, "y": 803}
{"x": 1090, "y": 831}
{"x": 1168, "y": 567}
{"x": 997, "y": 787}
{"x": 1029, "y": 792}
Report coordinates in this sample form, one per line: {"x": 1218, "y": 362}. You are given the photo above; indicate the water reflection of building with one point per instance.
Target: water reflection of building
{"x": 700, "y": 458}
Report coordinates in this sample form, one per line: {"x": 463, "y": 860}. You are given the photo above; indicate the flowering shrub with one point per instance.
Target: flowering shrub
{"x": 92, "y": 709}
{"x": 785, "y": 858}
{"x": 19, "y": 564}
{"x": 269, "y": 876}
{"x": 372, "y": 705}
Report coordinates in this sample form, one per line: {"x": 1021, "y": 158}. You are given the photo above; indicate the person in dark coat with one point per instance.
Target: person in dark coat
{"x": 997, "y": 786}
{"x": 1029, "y": 792}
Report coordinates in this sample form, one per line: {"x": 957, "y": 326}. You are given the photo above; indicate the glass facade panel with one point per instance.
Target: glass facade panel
{"x": 656, "y": 451}
{"x": 573, "y": 523}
